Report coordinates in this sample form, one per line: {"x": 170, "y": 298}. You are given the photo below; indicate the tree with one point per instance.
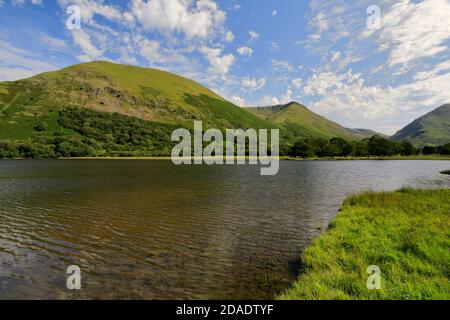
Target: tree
{"x": 302, "y": 148}
{"x": 445, "y": 149}
{"x": 407, "y": 149}
{"x": 344, "y": 148}
{"x": 379, "y": 146}
{"x": 428, "y": 150}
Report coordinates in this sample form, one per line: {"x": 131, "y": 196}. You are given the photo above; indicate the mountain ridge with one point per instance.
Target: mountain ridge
{"x": 431, "y": 128}
{"x": 298, "y": 120}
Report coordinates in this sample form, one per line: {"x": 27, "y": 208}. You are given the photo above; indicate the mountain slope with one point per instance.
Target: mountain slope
{"x": 366, "y": 133}
{"x": 298, "y": 121}
{"x": 146, "y": 94}
{"x": 432, "y": 128}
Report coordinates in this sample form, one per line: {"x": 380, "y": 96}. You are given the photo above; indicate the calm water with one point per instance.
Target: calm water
{"x": 148, "y": 229}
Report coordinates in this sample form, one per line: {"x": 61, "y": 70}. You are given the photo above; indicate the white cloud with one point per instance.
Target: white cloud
{"x": 90, "y": 8}
{"x": 219, "y": 64}
{"x": 198, "y": 20}
{"x": 413, "y": 30}
{"x": 252, "y": 84}
{"x": 335, "y": 56}
{"x": 346, "y": 98}
{"x": 269, "y": 101}
{"x": 83, "y": 40}
{"x": 253, "y": 35}
{"x": 274, "y": 46}
{"x": 152, "y": 51}
{"x": 297, "y": 82}
{"x": 237, "y": 100}
{"x": 16, "y": 63}
{"x": 245, "y": 51}
{"x": 229, "y": 36}
{"x": 282, "y": 65}
{"x": 439, "y": 68}
{"x": 54, "y": 43}
{"x": 274, "y": 13}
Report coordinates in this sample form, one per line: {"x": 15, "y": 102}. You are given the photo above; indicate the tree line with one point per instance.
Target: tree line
{"x": 92, "y": 134}
{"x": 375, "y": 146}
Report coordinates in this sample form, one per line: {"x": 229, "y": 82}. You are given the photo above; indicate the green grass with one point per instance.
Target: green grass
{"x": 406, "y": 233}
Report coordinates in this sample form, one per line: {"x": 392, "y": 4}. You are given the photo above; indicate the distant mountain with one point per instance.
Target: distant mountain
{"x": 298, "y": 121}
{"x": 366, "y": 133}
{"x": 432, "y": 128}
{"x": 146, "y": 94}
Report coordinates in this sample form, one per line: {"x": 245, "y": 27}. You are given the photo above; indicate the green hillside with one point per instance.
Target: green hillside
{"x": 298, "y": 121}
{"x": 432, "y": 128}
{"x": 366, "y": 133}
{"x": 106, "y": 109}
{"x": 147, "y": 94}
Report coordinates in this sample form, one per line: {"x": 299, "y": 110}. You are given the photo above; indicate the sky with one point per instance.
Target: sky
{"x": 375, "y": 64}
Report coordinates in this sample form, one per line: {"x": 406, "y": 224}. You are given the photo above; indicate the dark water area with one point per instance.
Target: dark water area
{"x": 152, "y": 230}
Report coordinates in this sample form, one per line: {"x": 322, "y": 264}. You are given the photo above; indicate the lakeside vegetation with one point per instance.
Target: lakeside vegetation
{"x": 375, "y": 146}
{"x": 406, "y": 233}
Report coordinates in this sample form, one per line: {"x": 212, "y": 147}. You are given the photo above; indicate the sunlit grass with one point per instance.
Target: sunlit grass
{"x": 406, "y": 233}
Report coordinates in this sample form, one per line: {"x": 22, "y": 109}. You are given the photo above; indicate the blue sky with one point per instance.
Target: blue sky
{"x": 374, "y": 64}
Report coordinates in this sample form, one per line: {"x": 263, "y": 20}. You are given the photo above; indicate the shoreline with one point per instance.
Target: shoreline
{"x": 410, "y": 227}
{"x": 282, "y": 158}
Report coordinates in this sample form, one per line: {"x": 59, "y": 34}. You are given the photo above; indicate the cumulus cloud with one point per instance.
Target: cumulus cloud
{"x": 282, "y": 65}
{"x": 297, "y": 82}
{"x": 219, "y": 64}
{"x": 83, "y": 40}
{"x": 90, "y": 8}
{"x": 253, "y": 35}
{"x": 335, "y": 55}
{"x": 252, "y": 84}
{"x": 245, "y": 51}
{"x": 346, "y": 96}
{"x": 237, "y": 100}
{"x": 229, "y": 36}
{"x": 197, "y": 19}
{"x": 412, "y": 30}
{"x": 271, "y": 101}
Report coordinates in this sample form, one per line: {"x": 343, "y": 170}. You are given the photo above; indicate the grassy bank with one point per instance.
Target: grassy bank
{"x": 406, "y": 233}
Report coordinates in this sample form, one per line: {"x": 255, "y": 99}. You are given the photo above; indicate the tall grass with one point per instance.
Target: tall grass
{"x": 406, "y": 233}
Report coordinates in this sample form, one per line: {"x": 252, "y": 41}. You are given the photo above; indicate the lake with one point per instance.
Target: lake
{"x": 152, "y": 230}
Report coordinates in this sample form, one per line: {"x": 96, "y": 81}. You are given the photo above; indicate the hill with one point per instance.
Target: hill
{"x": 299, "y": 121}
{"x": 366, "y": 133}
{"x": 432, "y": 128}
{"x": 146, "y": 94}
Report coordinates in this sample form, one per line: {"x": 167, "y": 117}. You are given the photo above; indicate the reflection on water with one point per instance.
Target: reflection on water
{"x": 151, "y": 230}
